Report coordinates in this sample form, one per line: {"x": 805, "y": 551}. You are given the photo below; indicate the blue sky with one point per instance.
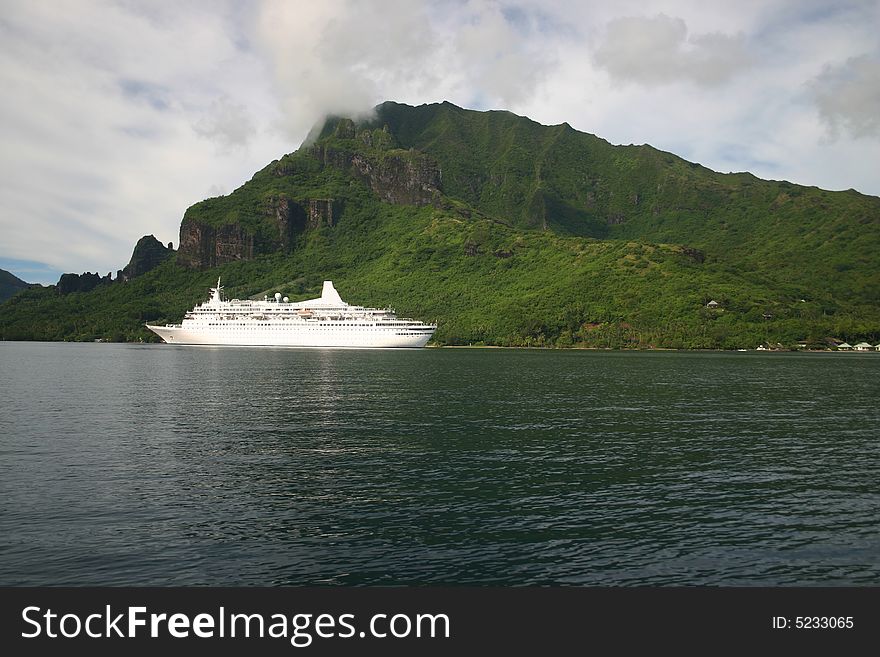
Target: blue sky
{"x": 117, "y": 115}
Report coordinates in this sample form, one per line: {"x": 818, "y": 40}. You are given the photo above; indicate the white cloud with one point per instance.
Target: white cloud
{"x": 656, "y": 50}
{"x": 117, "y": 115}
{"x": 502, "y": 57}
{"x": 345, "y": 56}
{"x": 760, "y": 118}
{"x": 848, "y": 96}
{"x": 100, "y": 121}
{"x": 226, "y": 123}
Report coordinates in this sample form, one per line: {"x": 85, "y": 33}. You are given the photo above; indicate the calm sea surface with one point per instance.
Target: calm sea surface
{"x": 160, "y": 465}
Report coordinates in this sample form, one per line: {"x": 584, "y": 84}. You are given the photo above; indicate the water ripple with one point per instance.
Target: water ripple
{"x": 124, "y": 464}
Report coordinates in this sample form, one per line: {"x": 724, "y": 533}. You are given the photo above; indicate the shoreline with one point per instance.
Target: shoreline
{"x": 738, "y": 350}
{"x": 486, "y": 346}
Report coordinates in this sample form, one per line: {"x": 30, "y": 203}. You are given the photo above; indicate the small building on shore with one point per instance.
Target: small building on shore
{"x": 864, "y": 346}
{"x": 844, "y": 346}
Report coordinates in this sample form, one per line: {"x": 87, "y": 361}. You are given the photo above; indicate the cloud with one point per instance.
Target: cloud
{"x": 330, "y": 57}
{"x": 657, "y": 50}
{"x": 503, "y": 52}
{"x": 153, "y": 94}
{"x": 114, "y": 120}
{"x": 345, "y": 56}
{"x": 227, "y": 124}
{"x": 848, "y": 97}
{"x": 117, "y": 115}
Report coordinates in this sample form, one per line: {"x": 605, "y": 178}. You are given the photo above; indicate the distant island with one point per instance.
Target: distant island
{"x": 504, "y": 232}
{"x": 10, "y": 284}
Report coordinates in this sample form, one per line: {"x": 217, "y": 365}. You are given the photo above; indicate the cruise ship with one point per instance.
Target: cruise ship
{"x": 323, "y": 322}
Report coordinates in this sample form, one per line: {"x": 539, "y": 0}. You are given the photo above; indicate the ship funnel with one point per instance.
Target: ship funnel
{"x": 215, "y": 292}
{"x": 330, "y": 295}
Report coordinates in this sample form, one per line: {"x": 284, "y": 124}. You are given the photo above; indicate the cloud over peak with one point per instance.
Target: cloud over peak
{"x": 342, "y": 57}
{"x": 658, "y": 50}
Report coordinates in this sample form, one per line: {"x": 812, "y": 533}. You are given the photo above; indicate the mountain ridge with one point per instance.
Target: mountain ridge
{"x": 10, "y": 284}
{"x": 510, "y": 232}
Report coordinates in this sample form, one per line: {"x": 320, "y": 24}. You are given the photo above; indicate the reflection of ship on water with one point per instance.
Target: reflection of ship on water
{"x": 326, "y": 321}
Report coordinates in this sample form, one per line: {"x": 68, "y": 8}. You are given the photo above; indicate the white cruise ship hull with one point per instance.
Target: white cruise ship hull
{"x": 291, "y": 336}
{"x": 326, "y": 321}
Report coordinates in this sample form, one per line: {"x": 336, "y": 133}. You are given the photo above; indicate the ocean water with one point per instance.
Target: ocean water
{"x": 161, "y": 465}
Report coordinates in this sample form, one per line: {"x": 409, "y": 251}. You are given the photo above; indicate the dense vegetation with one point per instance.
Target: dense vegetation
{"x": 542, "y": 236}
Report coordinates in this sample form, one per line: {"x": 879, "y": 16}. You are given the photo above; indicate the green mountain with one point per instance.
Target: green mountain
{"x": 509, "y": 232}
{"x": 10, "y": 284}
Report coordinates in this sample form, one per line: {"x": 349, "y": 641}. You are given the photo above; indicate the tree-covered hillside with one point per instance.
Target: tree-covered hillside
{"x": 508, "y": 232}
{"x": 576, "y": 183}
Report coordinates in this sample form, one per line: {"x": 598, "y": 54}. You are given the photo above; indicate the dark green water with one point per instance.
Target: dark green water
{"x": 124, "y": 464}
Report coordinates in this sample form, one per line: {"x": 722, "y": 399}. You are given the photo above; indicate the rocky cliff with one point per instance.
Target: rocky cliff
{"x": 203, "y": 246}
{"x": 271, "y": 226}
{"x": 148, "y": 254}
{"x": 85, "y": 282}
{"x": 402, "y": 177}
{"x": 268, "y": 220}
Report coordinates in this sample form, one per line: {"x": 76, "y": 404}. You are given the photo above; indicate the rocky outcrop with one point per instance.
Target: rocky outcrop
{"x": 85, "y": 282}
{"x": 345, "y": 129}
{"x": 288, "y": 219}
{"x": 203, "y": 245}
{"x": 321, "y": 212}
{"x": 396, "y": 176}
{"x": 148, "y": 254}
{"x": 401, "y": 177}
{"x": 330, "y": 156}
